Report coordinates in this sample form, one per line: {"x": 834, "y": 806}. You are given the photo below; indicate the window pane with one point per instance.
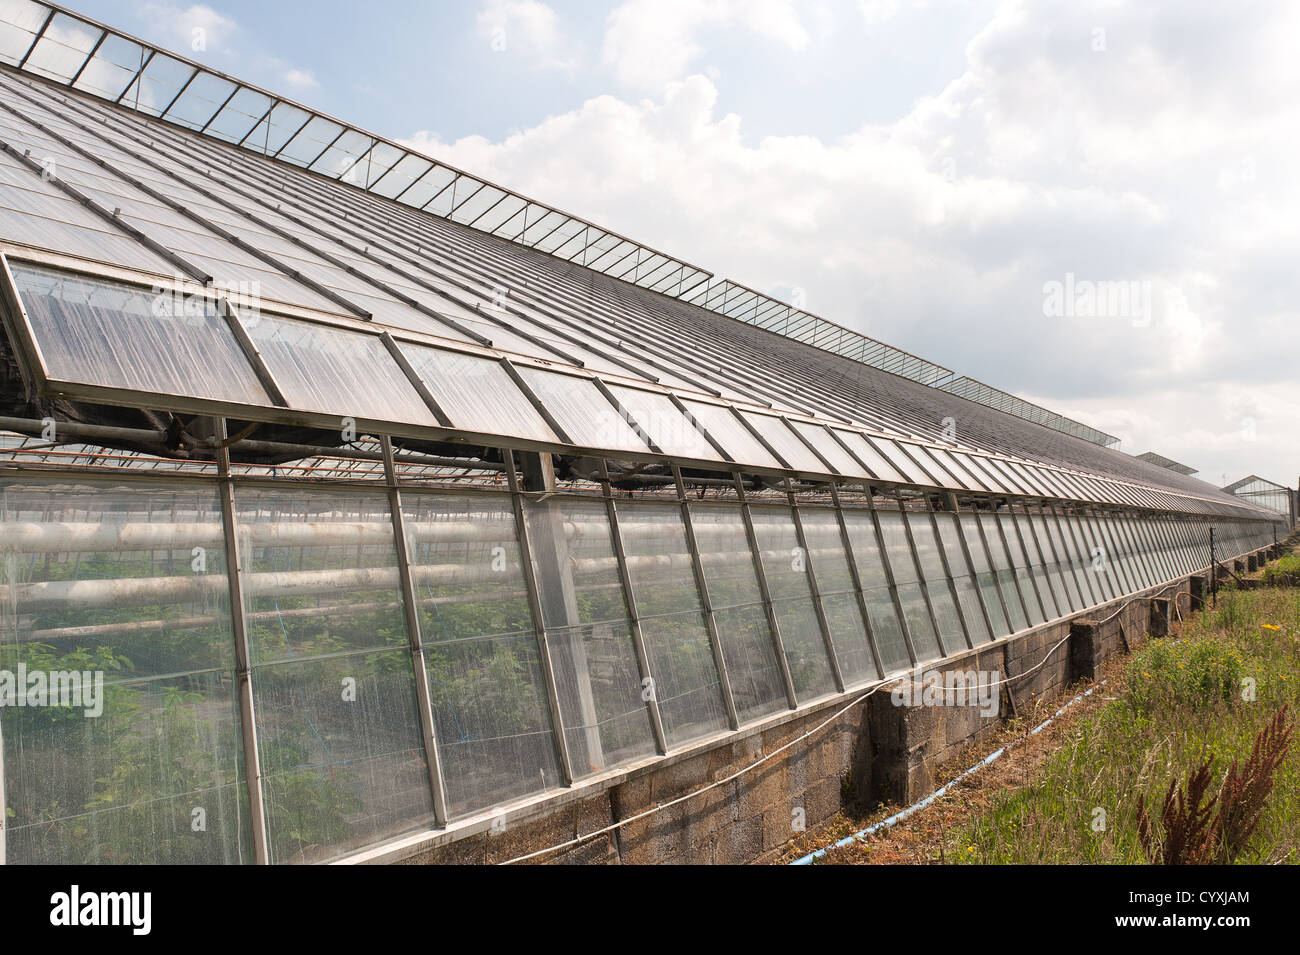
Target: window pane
{"x": 582, "y": 411}
{"x": 885, "y": 627}
{"x": 984, "y": 576}
{"x": 830, "y": 564}
{"x": 741, "y": 619}
{"x": 732, "y": 435}
{"x": 333, "y": 371}
{"x": 873, "y": 459}
{"x": 118, "y": 336}
{"x": 342, "y": 759}
{"x": 786, "y": 568}
{"x": 676, "y": 637}
{"x": 476, "y": 393}
{"x": 658, "y": 417}
{"x": 829, "y": 448}
{"x": 126, "y": 583}
{"x": 482, "y": 659}
{"x": 785, "y": 442}
{"x": 321, "y": 572}
{"x": 1006, "y": 574}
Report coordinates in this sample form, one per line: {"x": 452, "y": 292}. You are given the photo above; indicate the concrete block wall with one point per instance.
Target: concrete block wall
{"x": 875, "y": 751}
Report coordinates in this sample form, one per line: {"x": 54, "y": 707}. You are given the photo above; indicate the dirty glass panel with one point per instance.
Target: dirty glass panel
{"x": 476, "y": 393}
{"x": 343, "y": 764}
{"x": 830, "y": 565}
{"x": 786, "y": 567}
{"x": 605, "y": 720}
{"x": 117, "y": 594}
{"x": 122, "y": 336}
{"x": 334, "y": 371}
{"x": 685, "y": 677}
{"x": 737, "y": 601}
{"x": 482, "y": 660}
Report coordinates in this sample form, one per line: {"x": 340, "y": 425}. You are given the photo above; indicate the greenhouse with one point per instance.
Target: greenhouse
{"x": 1266, "y": 494}
{"x": 384, "y": 497}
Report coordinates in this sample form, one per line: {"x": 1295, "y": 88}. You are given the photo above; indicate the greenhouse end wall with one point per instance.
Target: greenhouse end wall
{"x": 398, "y": 659}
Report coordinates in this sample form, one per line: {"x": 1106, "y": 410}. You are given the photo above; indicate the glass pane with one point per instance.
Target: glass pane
{"x": 321, "y": 572}
{"x": 1006, "y": 573}
{"x": 22, "y": 21}
{"x": 786, "y": 567}
{"x": 606, "y": 721}
{"x": 333, "y": 371}
{"x": 928, "y": 460}
{"x": 1063, "y": 563}
{"x": 785, "y": 443}
{"x": 582, "y": 411}
{"x": 984, "y": 576}
{"x": 342, "y": 759}
{"x": 909, "y": 592}
{"x": 476, "y": 393}
{"x": 482, "y": 659}
{"x": 901, "y": 462}
{"x": 732, "y": 435}
{"x": 936, "y": 578}
{"x": 829, "y": 448}
{"x": 676, "y": 637}
{"x": 491, "y": 719}
{"x": 121, "y": 336}
{"x": 120, "y": 592}
{"x": 830, "y": 565}
{"x": 656, "y": 415}
{"x": 123, "y": 787}
{"x": 878, "y": 464}
{"x": 875, "y": 589}
{"x": 1021, "y": 558}
{"x": 62, "y": 49}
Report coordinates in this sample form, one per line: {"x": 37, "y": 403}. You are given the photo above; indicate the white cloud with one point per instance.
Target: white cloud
{"x": 301, "y": 79}
{"x": 1164, "y": 159}
{"x": 193, "y": 31}
{"x": 650, "y": 43}
{"x": 878, "y": 11}
{"x": 528, "y": 28}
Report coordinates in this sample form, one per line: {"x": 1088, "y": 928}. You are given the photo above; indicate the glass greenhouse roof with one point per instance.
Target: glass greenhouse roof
{"x": 310, "y": 303}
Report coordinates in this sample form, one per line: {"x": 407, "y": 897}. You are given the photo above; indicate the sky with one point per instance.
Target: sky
{"x": 1089, "y": 204}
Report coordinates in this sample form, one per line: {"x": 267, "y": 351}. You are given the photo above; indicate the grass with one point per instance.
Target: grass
{"x": 1287, "y": 568}
{"x": 1201, "y": 695}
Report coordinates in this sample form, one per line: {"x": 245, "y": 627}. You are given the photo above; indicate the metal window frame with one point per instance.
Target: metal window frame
{"x": 558, "y": 738}
{"x": 774, "y": 625}
{"x": 706, "y": 602}
{"x": 855, "y": 575}
{"x": 433, "y": 757}
{"x": 814, "y": 589}
{"x": 887, "y": 564}
{"x": 243, "y": 665}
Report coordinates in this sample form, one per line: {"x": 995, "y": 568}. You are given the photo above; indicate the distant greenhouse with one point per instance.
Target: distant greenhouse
{"x": 386, "y": 498}
{"x": 1266, "y": 494}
